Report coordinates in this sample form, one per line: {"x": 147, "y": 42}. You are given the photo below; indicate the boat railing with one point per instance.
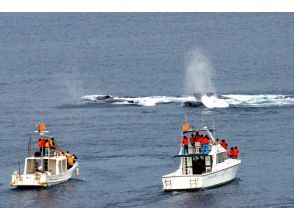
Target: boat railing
{"x": 35, "y": 151}
{"x": 198, "y": 148}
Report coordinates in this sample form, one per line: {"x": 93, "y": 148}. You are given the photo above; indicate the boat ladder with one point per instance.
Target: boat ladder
{"x": 168, "y": 184}
{"x": 193, "y": 183}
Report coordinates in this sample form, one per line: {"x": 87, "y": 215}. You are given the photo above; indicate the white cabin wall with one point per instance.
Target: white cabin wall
{"x": 29, "y": 166}
{"x": 52, "y": 166}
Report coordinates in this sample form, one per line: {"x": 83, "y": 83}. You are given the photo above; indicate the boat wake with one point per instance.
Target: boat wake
{"x": 209, "y": 100}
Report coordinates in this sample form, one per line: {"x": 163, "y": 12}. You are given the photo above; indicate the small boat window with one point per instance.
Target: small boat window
{"x": 60, "y": 167}
{"x": 64, "y": 166}
{"x": 52, "y": 166}
{"x": 34, "y": 165}
{"x": 221, "y": 157}
{"x": 198, "y": 165}
{"x": 208, "y": 161}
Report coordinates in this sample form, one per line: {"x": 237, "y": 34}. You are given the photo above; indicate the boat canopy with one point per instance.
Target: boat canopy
{"x": 198, "y": 130}
{"x": 190, "y": 155}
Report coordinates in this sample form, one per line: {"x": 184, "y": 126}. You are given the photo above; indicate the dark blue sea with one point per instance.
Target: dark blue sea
{"x": 54, "y": 67}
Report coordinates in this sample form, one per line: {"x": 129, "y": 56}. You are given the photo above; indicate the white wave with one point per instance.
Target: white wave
{"x": 89, "y": 97}
{"x": 144, "y": 101}
{"x": 264, "y": 100}
{"x": 154, "y": 100}
{"x": 222, "y": 101}
{"x": 213, "y": 102}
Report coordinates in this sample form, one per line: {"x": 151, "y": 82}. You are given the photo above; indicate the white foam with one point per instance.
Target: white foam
{"x": 144, "y": 101}
{"x": 89, "y": 97}
{"x": 154, "y": 100}
{"x": 214, "y": 102}
{"x": 263, "y": 100}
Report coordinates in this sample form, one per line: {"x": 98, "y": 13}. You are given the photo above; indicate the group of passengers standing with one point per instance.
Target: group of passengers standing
{"x": 45, "y": 145}
{"x": 45, "y": 149}
{"x": 203, "y": 142}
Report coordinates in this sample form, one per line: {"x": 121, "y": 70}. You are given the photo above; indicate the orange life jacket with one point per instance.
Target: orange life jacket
{"x": 205, "y": 141}
{"x": 197, "y": 138}
{"x": 185, "y": 141}
{"x": 47, "y": 144}
{"x": 224, "y": 144}
{"x": 41, "y": 143}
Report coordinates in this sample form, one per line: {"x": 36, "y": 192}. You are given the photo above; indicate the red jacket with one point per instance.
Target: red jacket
{"x": 192, "y": 140}
{"x": 205, "y": 141}
{"x": 185, "y": 141}
{"x": 41, "y": 143}
{"x": 224, "y": 144}
{"x": 197, "y": 138}
{"x": 236, "y": 152}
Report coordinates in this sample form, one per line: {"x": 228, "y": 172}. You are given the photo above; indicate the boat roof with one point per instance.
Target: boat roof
{"x": 50, "y": 158}
{"x": 198, "y": 130}
{"x": 191, "y": 155}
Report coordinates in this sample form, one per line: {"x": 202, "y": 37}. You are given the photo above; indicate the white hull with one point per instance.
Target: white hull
{"x": 42, "y": 179}
{"x": 177, "y": 181}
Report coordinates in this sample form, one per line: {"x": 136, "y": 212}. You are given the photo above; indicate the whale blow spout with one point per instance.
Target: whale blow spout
{"x": 199, "y": 72}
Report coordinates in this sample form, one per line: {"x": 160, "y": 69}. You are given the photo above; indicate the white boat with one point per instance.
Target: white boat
{"x": 45, "y": 171}
{"x": 199, "y": 170}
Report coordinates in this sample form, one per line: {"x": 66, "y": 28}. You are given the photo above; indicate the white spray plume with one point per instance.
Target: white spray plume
{"x": 199, "y": 74}
{"x": 73, "y": 84}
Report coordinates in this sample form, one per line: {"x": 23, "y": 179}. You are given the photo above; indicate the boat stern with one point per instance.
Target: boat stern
{"x": 29, "y": 180}
{"x": 181, "y": 183}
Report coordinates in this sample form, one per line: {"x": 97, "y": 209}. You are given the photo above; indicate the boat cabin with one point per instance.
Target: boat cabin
{"x": 196, "y": 163}
{"x": 55, "y": 165}
{"x": 201, "y": 163}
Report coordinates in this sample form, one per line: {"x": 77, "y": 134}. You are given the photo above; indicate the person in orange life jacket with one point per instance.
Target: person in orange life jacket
{"x": 185, "y": 145}
{"x": 224, "y": 144}
{"x": 205, "y": 143}
{"x": 52, "y": 142}
{"x": 47, "y": 147}
{"x": 197, "y": 137}
{"x": 236, "y": 152}
{"x": 192, "y": 140}
{"x": 41, "y": 144}
{"x": 201, "y": 138}
{"x": 231, "y": 154}
{"x": 205, "y": 140}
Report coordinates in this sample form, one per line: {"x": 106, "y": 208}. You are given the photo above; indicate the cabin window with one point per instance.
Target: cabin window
{"x": 64, "y": 165}
{"x": 51, "y": 166}
{"x": 208, "y": 163}
{"x": 221, "y": 157}
{"x": 60, "y": 167}
{"x": 198, "y": 164}
{"x": 33, "y": 165}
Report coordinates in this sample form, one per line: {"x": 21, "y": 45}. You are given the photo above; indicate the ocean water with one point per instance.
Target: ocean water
{"x": 54, "y": 65}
